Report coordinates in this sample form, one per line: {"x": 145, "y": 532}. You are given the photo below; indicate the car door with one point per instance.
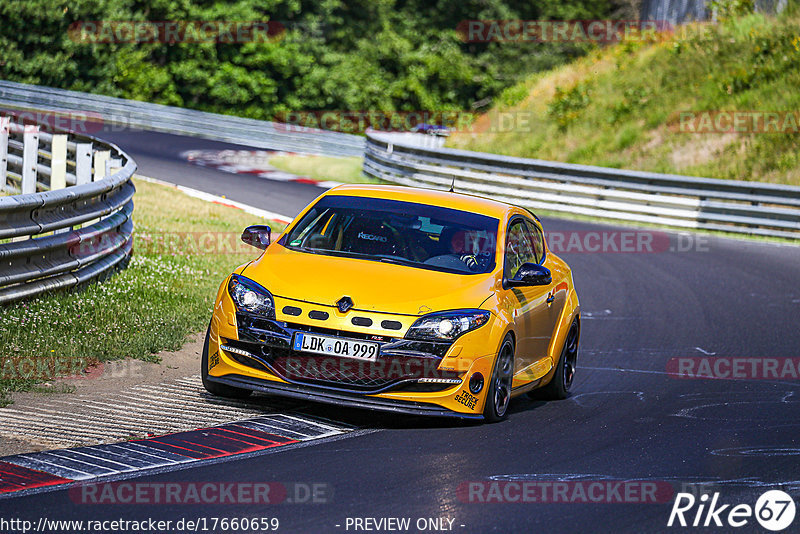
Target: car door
{"x": 547, "y": 321}
{"x": 535, "y": 311}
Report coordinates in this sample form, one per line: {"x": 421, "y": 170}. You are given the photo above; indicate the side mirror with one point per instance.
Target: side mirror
{"x": 257, "y": 235}
{"x": 531, "y": 274}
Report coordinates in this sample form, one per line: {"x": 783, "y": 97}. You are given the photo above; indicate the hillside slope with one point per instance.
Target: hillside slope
{"x": 634, "y": 105}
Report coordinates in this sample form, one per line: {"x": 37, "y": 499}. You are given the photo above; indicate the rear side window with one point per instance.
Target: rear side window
{"x": 520, "y": 247}
{"x": 538, "y": 241}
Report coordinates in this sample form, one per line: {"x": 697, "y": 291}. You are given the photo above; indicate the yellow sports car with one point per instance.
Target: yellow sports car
{"x": 398, "y": 299}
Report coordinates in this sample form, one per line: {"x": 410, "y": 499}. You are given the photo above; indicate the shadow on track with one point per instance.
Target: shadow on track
{"x": 366, "y": 418}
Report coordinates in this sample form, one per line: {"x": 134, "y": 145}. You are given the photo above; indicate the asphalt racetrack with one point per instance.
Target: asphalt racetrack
{"x": 691, "y": 298}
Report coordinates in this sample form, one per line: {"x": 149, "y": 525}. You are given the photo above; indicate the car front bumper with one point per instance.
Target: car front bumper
{"x": 340, "y": 398}
{"x": 267, "y": 344}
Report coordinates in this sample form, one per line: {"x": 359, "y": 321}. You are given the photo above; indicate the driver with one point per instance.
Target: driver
{"x": 465, "y": 245}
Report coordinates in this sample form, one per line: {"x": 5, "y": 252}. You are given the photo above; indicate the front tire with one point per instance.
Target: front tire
{"x": 559, "y": 386}
{"x": 498, "y": 396}
{"x": 220, "y": 390}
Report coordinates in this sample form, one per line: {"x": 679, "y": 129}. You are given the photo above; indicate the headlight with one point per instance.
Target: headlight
{"x": 447, "y": 326}
{"x": 250, "y": 297}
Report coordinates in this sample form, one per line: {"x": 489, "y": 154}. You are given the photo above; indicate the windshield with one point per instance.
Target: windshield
{"x": 417, "y": 235}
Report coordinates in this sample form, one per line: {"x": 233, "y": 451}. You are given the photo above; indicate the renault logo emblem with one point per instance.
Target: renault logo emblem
{"x": 344, "y": 304}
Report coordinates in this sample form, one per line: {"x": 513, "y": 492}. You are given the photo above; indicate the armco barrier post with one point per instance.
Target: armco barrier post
{"x": 30, "y": 157}
{"x": 58, "y": 168}
{"x": 100, "y": 159}
{"x": 58, "y": 162}
{"x": 3, "y": 152}
{"x": 83, "y": 163}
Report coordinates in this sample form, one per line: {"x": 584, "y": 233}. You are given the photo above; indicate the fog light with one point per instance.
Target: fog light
{"x": 476, "y": 383}
{"x": 235, "y": 350}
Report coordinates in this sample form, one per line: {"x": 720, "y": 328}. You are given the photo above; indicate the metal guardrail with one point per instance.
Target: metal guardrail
{"x": 681, "y": 11}
{"x": 158, "y": 118}
{"x": 68, "y": 219}
{"x": 671, "y": 200}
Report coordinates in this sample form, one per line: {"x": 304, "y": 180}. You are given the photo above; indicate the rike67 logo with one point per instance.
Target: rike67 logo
{"x": 774, "y": 510}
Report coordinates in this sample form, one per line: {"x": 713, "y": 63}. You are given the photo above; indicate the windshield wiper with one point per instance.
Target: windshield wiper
{"x": 398, "y": 261}
{"x": 309, "y": 250}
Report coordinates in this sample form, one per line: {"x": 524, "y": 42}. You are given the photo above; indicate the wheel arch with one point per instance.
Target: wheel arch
{"x": 569, "y": 313}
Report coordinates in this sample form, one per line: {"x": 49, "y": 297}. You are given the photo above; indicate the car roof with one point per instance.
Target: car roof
{"x": 445, "y": 199}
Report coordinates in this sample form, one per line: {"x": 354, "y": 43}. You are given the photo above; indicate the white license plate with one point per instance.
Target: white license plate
{"x": 334, "y": 346}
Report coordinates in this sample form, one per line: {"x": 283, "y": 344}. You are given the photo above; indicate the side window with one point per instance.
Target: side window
{"x": 538, "y": 241}
{"x": 519, "y": 248}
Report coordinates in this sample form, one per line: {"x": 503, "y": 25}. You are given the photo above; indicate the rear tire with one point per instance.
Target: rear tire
{"x": 220, "y": 390}
{"x": 498, "y": 396}
{"x": 558, "y": 388}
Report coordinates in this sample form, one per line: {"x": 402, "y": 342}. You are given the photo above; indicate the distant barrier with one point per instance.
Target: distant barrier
{"x": 670, "y": 200}
{"x": 681, "y": 11}
{"x": 155, "y": 117}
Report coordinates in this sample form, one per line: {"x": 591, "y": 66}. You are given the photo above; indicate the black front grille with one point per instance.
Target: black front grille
{"x": 296, "y": 366}
{"x": 319, "y": 369}
{"x": 361, "y": 321}
{"x": 398, "y": 365}
{"x": 346, "y": 373}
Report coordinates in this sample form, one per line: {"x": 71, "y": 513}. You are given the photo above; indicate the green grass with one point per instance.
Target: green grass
{"x": 183, "y": 249}
{"x": 346, "y": 170}
{"x": 620, "y": 106}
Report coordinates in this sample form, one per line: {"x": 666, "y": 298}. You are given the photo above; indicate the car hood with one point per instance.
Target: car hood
{"x": 373, "y": 286}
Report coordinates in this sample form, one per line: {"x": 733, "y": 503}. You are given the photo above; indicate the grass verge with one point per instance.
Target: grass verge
{"x": 183, "y": 249}
{"x": 345, "y": 170}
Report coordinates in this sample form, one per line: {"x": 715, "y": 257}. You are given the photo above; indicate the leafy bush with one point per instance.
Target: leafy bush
{"x": 726, "y": 9}
{"x": 567, "y": 103}
{"x": 334, "y": 55}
